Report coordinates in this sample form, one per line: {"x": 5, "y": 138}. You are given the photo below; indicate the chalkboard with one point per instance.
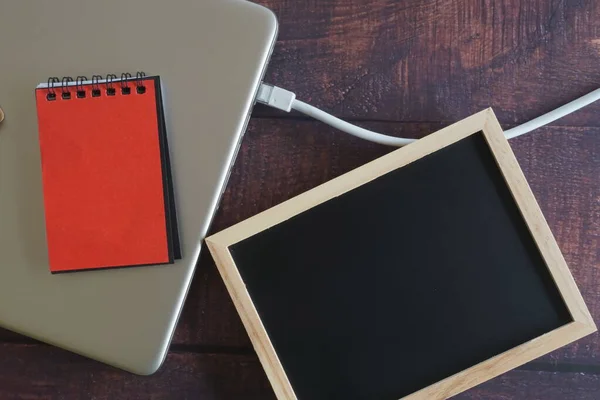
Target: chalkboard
{"x": 432, "y": 271}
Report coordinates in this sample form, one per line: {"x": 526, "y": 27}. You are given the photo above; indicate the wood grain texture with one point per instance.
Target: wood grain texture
{"x": 537, "y": 385}
{"x": 43, "y": 372}
{"x": 426, "y": 63}
{"x": 438, "y": 60}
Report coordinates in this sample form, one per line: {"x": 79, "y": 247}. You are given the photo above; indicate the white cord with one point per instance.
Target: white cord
{"x": 553, "y": 115}
{"x": 285, "y": 100}
{"x": 344, "y": 126}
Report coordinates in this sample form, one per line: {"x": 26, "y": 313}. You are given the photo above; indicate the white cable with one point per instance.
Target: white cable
{"x": 285, "y": 100}
{"x": 553, "y": 115}
{"x": 344, "y": 126}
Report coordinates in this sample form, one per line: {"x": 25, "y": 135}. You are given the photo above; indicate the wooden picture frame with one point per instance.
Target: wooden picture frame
{"x": 484, "y": 122}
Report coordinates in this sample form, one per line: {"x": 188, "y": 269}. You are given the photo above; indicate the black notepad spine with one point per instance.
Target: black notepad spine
{"x": 110, "y": 84}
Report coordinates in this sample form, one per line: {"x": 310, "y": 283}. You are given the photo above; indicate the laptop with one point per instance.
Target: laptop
{"x": 211, "y": 56}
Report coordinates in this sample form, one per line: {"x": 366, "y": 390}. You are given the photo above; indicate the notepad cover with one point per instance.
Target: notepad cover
{"x": 108, "y": 192}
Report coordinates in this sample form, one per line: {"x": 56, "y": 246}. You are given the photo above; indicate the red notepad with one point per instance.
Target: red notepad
{"x": 108, "y": 191}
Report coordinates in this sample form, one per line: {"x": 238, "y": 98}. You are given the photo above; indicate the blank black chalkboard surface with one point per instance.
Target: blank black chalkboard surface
{"x": 417, "y": 276}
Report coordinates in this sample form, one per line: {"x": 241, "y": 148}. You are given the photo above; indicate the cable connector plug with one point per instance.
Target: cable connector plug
{"x": 275, "y": 97}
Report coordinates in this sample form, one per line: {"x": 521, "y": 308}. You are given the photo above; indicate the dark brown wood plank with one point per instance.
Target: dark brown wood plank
{"x": 432, "y": 60}
{"x": 11, "y": 337}
{"x": 537, "y": 385}
{"x": 42, "y": 372}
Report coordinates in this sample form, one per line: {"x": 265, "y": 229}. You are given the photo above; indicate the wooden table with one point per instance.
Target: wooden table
{"x": 408, "y": 68}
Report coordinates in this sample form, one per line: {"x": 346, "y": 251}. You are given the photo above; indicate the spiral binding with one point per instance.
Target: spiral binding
{"x": 68, "y": 92}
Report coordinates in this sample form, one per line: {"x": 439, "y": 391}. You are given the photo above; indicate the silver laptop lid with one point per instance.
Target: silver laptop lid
{"x": 211, "y": 56}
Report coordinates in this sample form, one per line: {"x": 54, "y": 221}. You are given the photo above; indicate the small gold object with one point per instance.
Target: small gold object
{"x": 1, "y": 115}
